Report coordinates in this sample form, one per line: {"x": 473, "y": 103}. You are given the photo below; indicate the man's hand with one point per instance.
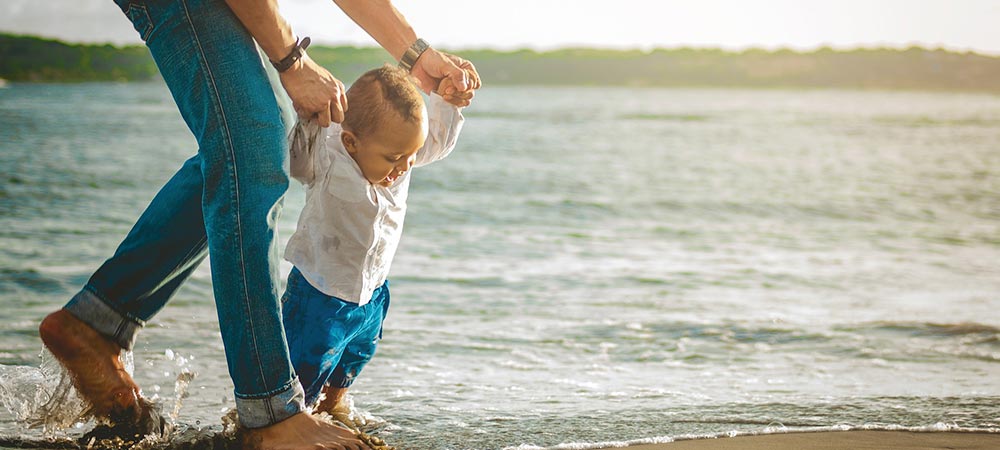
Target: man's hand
{"x": 315, "y": 93}
{"x": 433, "y": 67}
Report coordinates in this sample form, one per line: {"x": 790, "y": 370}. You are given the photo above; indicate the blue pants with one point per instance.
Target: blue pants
{"x": 330, "y": 340}
{"x": 224, "y": 201}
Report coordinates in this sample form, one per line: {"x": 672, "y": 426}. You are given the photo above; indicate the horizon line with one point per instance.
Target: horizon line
{"x": 638, "y": 48}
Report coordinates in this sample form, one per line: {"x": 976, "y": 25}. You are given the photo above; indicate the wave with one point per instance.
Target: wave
{"x": 940, "y": 329}
{"x": 927, "y": 121}
{"x": 30, "y": 279}
{"x": 666, "y": 117}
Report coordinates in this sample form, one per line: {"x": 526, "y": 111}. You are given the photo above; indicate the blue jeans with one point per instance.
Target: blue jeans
{"x": 330, "y": 340}
{"x": 224, "y": 201}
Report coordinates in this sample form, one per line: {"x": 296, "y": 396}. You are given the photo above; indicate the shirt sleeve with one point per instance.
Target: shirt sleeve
{"x": 307, "y": 151}
{"x": 444, "y": 123}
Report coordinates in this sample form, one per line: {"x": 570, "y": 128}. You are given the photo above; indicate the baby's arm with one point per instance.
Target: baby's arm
{"x": 303, "y": 143}
{"x": 444, "y": 123}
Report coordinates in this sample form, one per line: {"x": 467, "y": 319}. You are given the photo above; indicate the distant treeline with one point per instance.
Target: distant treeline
{"x": 24, "y": 58}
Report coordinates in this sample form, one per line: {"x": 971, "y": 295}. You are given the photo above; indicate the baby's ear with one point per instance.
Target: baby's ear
{"x": 349, "y": 140}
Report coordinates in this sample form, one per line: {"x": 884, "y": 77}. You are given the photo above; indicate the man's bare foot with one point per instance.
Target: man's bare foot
{"x": 98, "y": 374}
{"x": 302, "y": 431}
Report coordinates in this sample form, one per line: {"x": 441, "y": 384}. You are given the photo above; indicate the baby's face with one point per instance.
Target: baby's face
{"x": 387, "y": 153}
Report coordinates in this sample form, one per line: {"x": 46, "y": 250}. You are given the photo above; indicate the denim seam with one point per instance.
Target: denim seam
{"x": 235, "y": 180}
{"x": 144, "y": 34}
{"x": 190, "y": 252}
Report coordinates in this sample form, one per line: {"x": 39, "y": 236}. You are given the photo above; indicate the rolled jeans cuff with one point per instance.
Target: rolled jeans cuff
{"x": 262, "y": 411}
{"x": 91, "y": 309}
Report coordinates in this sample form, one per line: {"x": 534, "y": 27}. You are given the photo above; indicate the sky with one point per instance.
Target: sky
{"x": 545, "y": 24}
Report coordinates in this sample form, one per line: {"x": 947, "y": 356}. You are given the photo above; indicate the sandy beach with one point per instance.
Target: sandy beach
{"x": 840, "y": 440}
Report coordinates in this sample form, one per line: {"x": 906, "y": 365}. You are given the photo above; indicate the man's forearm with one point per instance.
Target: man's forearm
{"x": 266, "y": 25}
{"x": 383, "y": 22}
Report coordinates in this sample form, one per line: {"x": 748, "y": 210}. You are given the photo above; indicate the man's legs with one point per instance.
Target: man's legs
{"x": 234, "y": 186}
{"x": 226, "y": 199}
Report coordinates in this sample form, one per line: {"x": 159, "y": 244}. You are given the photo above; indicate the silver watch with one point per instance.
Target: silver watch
{"x": 410, "y": 56}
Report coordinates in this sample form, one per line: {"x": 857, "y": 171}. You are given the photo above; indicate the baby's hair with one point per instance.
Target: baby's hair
{"x": 378, "y": 92}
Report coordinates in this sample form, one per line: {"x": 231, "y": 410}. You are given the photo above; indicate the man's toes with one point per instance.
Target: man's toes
{"x": 125, "y": 399}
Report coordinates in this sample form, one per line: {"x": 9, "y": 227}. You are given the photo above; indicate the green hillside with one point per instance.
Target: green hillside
{"x": 25, "y": 58}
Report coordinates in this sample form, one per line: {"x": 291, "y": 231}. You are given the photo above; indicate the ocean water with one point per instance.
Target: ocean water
{"x": 592, "y": 266}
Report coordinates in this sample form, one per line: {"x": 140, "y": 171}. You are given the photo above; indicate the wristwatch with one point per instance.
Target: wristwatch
{"x": 409, "y": 57}
{"x": 293, "y": 56}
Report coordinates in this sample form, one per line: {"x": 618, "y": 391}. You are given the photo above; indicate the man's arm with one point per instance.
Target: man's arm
{"x": 266, "y": 25}
{"x": 383, "y": 22}
{"x": 391, "y": 30}
{"x": 314, "y": 92}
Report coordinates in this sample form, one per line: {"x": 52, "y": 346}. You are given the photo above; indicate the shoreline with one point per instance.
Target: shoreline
{"x": 839, "y": 440}
{"x": 793, "y": 440}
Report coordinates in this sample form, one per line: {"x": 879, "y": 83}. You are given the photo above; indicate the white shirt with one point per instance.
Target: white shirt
{"x": 349, "y": 229}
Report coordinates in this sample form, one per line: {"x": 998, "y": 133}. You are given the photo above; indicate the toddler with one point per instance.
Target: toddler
{"x": 356, "y": 175}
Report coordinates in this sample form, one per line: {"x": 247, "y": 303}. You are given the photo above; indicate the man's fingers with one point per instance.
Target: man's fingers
{"x": 336, "y": 112}
{"x": 342, "y": 95}
{"x": 323, "y": 117}
{"x": 476, "y": 81}
{"x": 339, "y": 105}
{"x": 471, "y": 72}
{"x": 459, "y": 78}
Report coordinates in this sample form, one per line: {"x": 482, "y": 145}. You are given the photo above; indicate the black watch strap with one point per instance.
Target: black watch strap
{"x": 293, "y": 56}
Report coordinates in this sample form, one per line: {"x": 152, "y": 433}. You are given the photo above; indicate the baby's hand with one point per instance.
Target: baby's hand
{"x": 447, "y": 90}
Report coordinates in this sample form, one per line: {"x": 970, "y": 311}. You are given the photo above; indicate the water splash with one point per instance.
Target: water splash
{"x": 41, "y": 397}
{"x": 45, "y": 405}
{"x": 180, "y": 392}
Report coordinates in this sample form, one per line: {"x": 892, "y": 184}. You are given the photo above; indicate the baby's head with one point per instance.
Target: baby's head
{"x": 385, "y": 124}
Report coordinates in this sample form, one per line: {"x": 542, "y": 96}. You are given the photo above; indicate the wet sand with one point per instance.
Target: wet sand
{"x": 840, "y": 440}
{"x": 823, "y": 440}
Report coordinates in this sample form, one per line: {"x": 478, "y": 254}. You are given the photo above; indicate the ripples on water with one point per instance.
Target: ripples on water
{"x": 591, "y": 265}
